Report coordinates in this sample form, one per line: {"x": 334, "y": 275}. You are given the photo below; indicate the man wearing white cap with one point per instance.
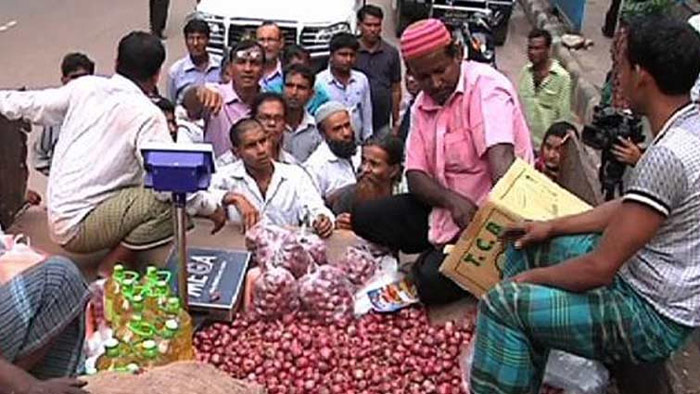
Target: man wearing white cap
{"x": 333, "y": 165}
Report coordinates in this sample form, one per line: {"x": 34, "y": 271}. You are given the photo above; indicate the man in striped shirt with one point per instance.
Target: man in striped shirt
{"x": 630, "y": 294}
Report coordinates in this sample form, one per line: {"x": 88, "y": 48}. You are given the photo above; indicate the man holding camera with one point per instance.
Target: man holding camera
{"x": 629, "y": 294}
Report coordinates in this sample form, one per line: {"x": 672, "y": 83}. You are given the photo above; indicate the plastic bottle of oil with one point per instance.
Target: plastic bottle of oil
{"x": 156, "y": 299}
{"x": 112, "y": 287}
{"x": 111, "y": 358}
{"x": 151, "y": 276}
{"x": 149, "y": 354}
{"x": 168, "y": 345}
{"x": 173, "y": 311}
{"x": 122, "y": 300}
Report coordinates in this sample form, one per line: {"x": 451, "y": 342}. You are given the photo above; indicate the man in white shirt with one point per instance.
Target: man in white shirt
{"x": 260, "y": 188}
{"x": 333, "y": 165}
{"x": 96, "y": 196}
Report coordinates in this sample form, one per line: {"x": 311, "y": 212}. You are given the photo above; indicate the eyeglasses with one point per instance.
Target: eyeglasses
{"x": 264, "y": 118}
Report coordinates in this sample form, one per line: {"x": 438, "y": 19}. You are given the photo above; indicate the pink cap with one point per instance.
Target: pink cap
{"x": 423, "y": 37}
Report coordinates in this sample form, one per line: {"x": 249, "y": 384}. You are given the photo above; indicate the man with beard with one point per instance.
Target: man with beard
{"x": 380, "y": 172}
{"x": 466, "y": 130}
{"x": 259, "y": 187}
{"x": 228, "y": 103}
{"x": 197, "y": 68}
{"x": 301, "y": 137}
{"x": 333, "y": 164}
{"x": 270, "y": 37}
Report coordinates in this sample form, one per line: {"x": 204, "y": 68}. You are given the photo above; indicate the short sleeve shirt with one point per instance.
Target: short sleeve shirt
{"x": 666, "y": 271}
{"x": 383, "y": 69}
{"x": 449, "y": 142}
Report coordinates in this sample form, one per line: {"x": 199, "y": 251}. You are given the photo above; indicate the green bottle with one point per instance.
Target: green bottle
{"x": 112, "y": 288}
{"x": 111, "y": 357}
{"x": 149, "y": 354}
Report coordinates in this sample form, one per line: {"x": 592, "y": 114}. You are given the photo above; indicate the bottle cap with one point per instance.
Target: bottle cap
{"x": 149, "y": 344}
{"x": 133, "y": 368}
{"x": 111, "y": 343}
{"x": 172, "y": 325}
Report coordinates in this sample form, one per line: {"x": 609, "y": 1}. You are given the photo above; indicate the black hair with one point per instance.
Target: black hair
{"x": 667, "y": 49}
{"x": 393, "y": 146}
{"x": 291, "y": 51}
{"x": 344, "y": 40}
{"x": 244, "y": 45}
{"x": 196, "y": 25}
{"x": 140, "y": 56}
{"x": 560, "y": 129}
{"x": 265, "y": 97}
{"x": 302, "y": 70}
{"x": 240, "y": 127}
{"x": 541, "y": 33}
{"x": 371, "y": 10}
{"x": 75, "y": 61}
{"x": 164, "y": 104}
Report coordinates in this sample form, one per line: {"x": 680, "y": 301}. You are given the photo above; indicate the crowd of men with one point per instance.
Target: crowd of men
{"x": 342, "y": 149}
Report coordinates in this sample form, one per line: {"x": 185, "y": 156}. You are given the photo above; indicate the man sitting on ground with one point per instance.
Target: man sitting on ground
{"x": 333, "y": 165}
{"x": 42, "y": 328}
{"x": 260, "y": 188}
{"x": 380, "y": 173}
{"x": 301, "y": 136}
{"x": 466, "y": 130}
{"x": 630, "y": 295}
{"x": 96, "y": 196}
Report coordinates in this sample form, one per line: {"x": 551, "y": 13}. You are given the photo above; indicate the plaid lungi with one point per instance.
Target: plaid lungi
{"x": 518, "y": 323}
{"x": 133, "y": 217}
{"x": 45, "y": 306}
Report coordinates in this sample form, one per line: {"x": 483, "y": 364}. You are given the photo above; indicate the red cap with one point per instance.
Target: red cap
{"x": 423, "y": 37}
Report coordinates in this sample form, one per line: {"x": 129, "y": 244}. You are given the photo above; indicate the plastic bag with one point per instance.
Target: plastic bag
{"x": 326, "y": 293}
{"x": 275, "y": 293}
{"x": 263, "y": 240}
{"x": 575, "y": 375}
{"x": 273, "y": 246}
{"x": 358, "y": 264}
{"x": 313, "y": 245}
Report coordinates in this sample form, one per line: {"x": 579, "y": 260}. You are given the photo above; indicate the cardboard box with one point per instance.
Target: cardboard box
{"x": 215, "y": 280}
{"x": 475, "y": 262}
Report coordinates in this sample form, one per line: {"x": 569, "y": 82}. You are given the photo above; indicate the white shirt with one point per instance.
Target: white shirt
{"x": 290, "y": 195}
{"x": 330, "y": 172}
{"x": 188, "y": 131}
{"x": 229, "y": 158}
{"x": 104, "y": 122}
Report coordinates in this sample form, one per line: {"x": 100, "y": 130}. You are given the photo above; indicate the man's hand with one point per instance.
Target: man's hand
{"x": 323, "y": 226}
{"x": 462, "y": 209}
{"x": 219, "y": 219}
{"x": 249, "y": 214}
{"x": 343, "y": 221}
{"x": 211, "y": 100}
{"x": 528, "y": 233}
{"x": 626, "y": 151}
{"x": 56, "y": 386}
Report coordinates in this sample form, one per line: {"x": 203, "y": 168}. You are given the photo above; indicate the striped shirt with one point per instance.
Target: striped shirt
{"x": 666, "y": 271}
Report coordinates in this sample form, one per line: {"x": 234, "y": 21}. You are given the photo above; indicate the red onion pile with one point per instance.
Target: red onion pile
{"x": 389, "y": 353}
{"x": 326, "y": 294}
{"x": 275, "y": 293}
{"x": 359, "y": 265}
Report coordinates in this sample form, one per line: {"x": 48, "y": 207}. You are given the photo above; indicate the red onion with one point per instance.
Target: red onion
{"x": 326, "y": 294}
{"x": 275, "y": 293}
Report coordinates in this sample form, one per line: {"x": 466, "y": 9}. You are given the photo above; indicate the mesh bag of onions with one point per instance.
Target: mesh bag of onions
{"x": 359, "y": 265}
{"x": 275, "y": 293}
{"x": 326, "y": 294}
{"x": 263, "y": 240}
{"x": 273, "y": 246}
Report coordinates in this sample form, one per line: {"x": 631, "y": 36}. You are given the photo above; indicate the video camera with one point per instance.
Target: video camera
{"x": 609, "y": 125}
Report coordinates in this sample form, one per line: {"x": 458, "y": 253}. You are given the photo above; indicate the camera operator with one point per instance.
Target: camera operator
{"x": 630, "y": 295}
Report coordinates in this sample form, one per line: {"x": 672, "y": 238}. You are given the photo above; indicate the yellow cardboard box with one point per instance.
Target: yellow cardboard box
{"x": 475, "y": 263}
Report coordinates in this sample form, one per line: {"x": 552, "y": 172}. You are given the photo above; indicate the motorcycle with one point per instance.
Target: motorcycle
{"x": 474, "y": 31}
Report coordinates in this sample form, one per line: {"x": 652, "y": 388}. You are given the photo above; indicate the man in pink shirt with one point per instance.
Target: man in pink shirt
{"x": 467, "y": 128}
{"x": 228, "y": 103}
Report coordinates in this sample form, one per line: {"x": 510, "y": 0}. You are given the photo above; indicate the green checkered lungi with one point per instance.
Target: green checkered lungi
{"x": 518, "y": 323}
{"x": 133, "y": 217}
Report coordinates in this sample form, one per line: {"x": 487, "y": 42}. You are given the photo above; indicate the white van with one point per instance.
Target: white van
{"x": 309, "y": 23}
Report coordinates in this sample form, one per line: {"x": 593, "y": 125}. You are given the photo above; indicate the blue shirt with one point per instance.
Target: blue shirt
{"x": 183, "y": 74}
{"x": 319, "y": 98}
{"x": 356, "y": 97}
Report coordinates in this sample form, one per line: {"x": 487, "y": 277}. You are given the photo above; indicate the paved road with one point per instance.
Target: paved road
{"x": 34, "y": 38}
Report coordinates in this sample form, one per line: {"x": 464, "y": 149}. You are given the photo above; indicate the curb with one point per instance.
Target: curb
{"x": 584, "y": 95}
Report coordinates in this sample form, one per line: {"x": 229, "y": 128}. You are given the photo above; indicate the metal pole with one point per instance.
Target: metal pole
{"x": 179, "y": 201}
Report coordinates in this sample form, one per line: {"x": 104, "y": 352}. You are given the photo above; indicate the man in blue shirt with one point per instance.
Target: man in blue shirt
{"x": 197, "y": 68}
{"x": 348, "y": 86}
